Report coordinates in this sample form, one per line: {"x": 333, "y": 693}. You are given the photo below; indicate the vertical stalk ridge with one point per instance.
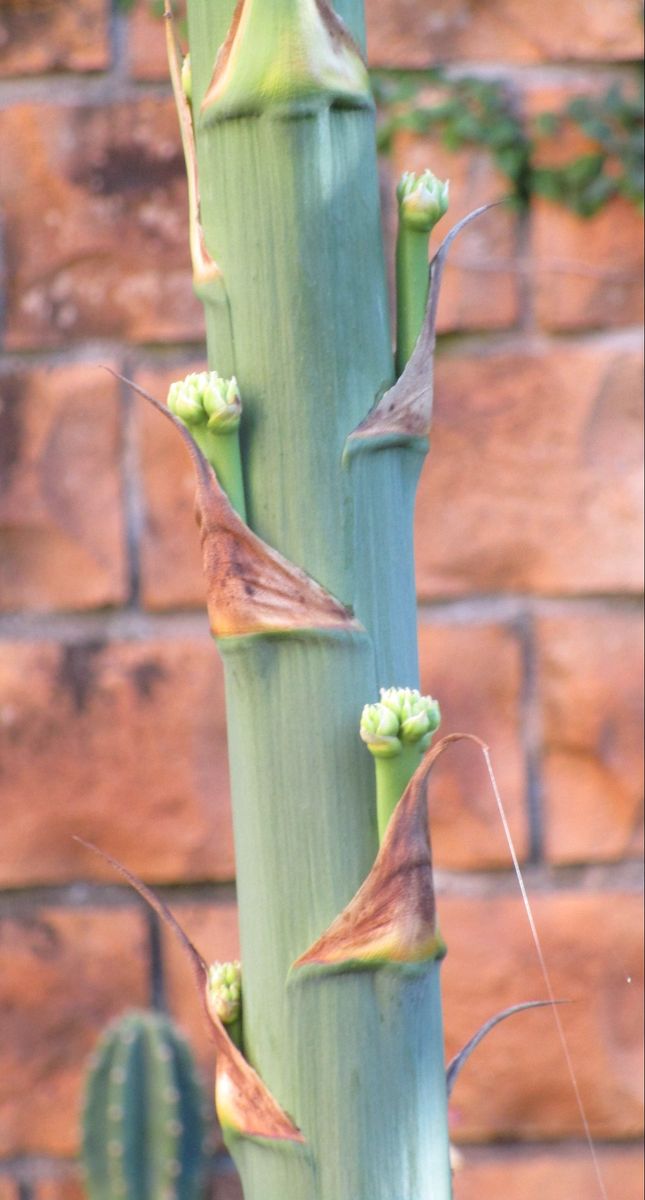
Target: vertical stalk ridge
{"x": 290, "y": 212}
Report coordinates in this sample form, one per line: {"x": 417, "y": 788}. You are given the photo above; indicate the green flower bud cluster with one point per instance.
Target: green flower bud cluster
{"x": 423, "y": 200}
{"x": 205, "y": 398}
{"x": 402, "y": 717}
{"x": 225, "y": 990}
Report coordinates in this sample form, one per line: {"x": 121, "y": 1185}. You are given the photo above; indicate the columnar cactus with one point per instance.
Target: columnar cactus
{"x": 144, "y": 1122}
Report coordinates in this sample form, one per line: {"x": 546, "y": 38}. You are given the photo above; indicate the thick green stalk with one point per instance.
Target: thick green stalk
{"x": 289, "y": 207}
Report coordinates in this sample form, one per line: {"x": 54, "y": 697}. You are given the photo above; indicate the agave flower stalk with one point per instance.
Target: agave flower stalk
{"x": 311, "y": 597}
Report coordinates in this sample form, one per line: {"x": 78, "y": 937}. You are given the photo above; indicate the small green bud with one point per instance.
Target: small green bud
{"x": 379, "y": 727}
{"x": 205, "y": 397}
{"x": 184, "y": 400}
{"x": 423, "y": 200}
{"x": 225, "y": 990}
{"x": 187, "y": 79}
{"x": 402, "y": 716}
{"x": 221, "y": 399}
{"x": 415, "y": 727}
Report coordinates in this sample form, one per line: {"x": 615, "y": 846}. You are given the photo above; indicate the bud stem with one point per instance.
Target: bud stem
{"x": 222, "y": 449}
{"x": 392, "y": 777}
{"x": 210, "y": 408}
{"x": 423, "y": 201}
{"x": 412, "y": 281}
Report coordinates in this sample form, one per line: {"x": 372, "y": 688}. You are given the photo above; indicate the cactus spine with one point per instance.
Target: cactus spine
{"x": 144, "y": 1120}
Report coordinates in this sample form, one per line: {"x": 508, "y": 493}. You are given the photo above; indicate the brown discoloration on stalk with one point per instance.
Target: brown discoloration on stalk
{"x": 337, "y": 29}
{"x": 244, "y": 1104}
{"x": 392, "y": 917}
{"x": 224, "y": 51}
{"x": 404, "y": 412}
{"x": 250, "y": 588}
{"x": 334, "y": 30}
{"x": 205, "y": 269}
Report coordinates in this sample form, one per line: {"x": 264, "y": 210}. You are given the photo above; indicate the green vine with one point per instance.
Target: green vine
{"x": 469, "y": 112}
{"x": 614, "y": 167}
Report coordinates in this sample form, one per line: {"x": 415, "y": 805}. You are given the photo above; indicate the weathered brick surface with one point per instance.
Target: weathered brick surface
{"x": 476, "y": 674}
{"x": 43, "y": 35}
{"x": 212, "y": 928}
{"x": 480, "y": 288}
{"x": 517, "y": 1086}
{"x": 416, "y": 34}
{"x": 590, "y": 684}
{"x": 171, "y": 567}
{"x": 147, "y": 55}
{"x": 549, "y": 1174}
{"x": 63, "y": 1185}
{"x": 62, "y": 541}
{"x": 123, "y": 744}
{"x": 63, "y": 975}
{"x": 95, "y": 224}
{"x": 533, "y": 480}
{"x": 588, "y": 272}
{"x": 578, "y": 290}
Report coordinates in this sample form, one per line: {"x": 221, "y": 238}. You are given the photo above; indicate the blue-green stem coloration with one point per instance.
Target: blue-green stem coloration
{"x": 289, "y": 210}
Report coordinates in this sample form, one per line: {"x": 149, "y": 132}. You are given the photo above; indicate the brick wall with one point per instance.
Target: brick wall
{"x": 528, "y": 549}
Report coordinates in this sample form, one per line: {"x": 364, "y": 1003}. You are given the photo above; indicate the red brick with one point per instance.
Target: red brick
{"x": 41, "y": 35}
{"x": 413, "y": 33}
{"x": 588, "y": 271}
{"x": 212, "y": 927}
{"x": 8, "y": 1188}
{"x": 63, "y": 975}
{"x": 553, "y": 1174}
{"x": 480, "y": 284}
{"x": 62, "y": 541}
{"x": 590, "y": 686}
{"x": 96, "y": 225}
{"x": 170, "y": 534}
{"x": 123, "y": 744}
{"x": 475, "y": 673}
{"x": 147, "y": 54}
{"x": 63, "y": 1185}
{"x": 517, "y": 1085}
{"x": 533, "y": 481}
